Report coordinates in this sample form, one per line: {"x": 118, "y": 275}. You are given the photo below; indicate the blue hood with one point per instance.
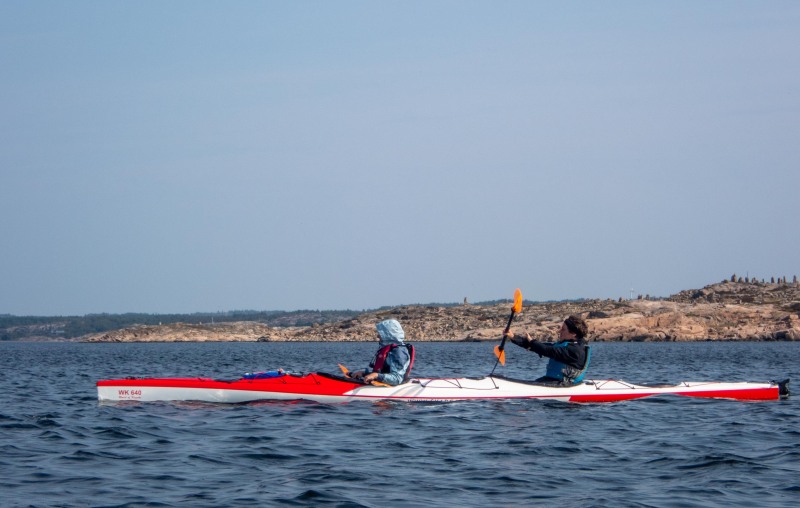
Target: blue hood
{"x": 391, "y": 332}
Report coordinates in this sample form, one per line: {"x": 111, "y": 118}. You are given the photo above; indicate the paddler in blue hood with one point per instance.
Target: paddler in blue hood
{"x": 394, "y": 359}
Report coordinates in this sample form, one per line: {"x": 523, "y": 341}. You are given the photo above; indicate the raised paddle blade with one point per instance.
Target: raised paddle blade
{"x": 517, "y": 308}
{"x": 344, "y": 370}
{"x": 500, "y": 354}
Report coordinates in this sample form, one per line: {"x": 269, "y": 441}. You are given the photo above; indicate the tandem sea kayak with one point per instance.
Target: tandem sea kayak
{"x": 329, "y": 388}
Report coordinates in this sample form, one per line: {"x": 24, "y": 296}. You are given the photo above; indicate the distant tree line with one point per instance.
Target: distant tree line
{"x": 70, "y": 327}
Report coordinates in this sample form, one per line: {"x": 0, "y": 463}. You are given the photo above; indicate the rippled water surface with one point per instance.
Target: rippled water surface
{"x": 60, "y": 447}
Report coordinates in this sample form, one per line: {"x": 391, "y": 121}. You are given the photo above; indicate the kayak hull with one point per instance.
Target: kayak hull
{"x": 327, "y": 388}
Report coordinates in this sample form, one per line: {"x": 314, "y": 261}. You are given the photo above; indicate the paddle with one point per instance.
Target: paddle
{"x": 347, "y": 374}
{"x": 499, "y": 351}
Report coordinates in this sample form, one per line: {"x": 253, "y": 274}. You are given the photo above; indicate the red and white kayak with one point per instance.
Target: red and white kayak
{"x": 321, "y": 387}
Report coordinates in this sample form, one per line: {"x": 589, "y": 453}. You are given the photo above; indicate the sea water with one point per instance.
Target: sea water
{"x": 60, "y": 447}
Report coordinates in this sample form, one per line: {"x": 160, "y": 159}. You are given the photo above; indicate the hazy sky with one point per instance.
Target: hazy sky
{"x": 211, "y": 156}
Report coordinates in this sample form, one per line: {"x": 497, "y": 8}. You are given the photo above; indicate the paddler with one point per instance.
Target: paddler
{"x": 394, "y": 359}
{"x": 569, "y": 357}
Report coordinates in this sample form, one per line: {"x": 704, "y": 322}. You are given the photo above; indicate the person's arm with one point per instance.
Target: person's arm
{"x": 573, "y": 355}
{"x": 522, "y": 341}
{"x": 362, "y": 374}
{"x": 570, "y": 355}
{"x": 561, "y": 354}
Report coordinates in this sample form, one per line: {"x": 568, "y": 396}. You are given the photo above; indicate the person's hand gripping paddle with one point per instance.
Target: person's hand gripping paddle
{"x": 346, "y": 373}
{"x": 499, "y": 351}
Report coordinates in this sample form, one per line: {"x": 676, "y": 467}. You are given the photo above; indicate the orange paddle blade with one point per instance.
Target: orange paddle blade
{"x": 517, "y": 308}
{"x": 344, "y": 369}
{"x": 500, "y": 354}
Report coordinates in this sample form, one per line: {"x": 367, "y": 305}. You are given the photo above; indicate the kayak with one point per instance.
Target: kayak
{"x": 330, "y": 388}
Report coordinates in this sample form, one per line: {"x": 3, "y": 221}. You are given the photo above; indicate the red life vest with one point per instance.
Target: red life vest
{"x": 379, "y": 362}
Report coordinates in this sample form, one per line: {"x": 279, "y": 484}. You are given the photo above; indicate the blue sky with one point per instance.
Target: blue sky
{"x": 210, "y": 156}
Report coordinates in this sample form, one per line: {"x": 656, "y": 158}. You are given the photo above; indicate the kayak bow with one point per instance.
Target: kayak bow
{"x": 321, "y": 387}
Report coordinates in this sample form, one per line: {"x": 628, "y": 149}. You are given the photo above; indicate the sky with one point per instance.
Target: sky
{"x": 184, "y": 156}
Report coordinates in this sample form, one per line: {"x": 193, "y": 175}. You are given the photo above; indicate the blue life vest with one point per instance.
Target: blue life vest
{"x": 566, "y": 373}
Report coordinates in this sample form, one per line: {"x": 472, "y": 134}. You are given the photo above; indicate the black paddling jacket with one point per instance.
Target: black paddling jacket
{"x": 569, "y": 360}
{"x": 572, "y": 354}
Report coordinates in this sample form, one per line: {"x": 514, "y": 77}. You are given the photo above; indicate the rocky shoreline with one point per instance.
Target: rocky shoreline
{"x": 730, "y": 310}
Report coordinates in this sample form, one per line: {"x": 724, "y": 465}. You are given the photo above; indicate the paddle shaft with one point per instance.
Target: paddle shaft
{"x": 503, "y": 342}
{"x": 508, "y": 327}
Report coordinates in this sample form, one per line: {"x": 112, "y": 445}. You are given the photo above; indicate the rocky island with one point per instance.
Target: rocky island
{"x": 730, "y": 310}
